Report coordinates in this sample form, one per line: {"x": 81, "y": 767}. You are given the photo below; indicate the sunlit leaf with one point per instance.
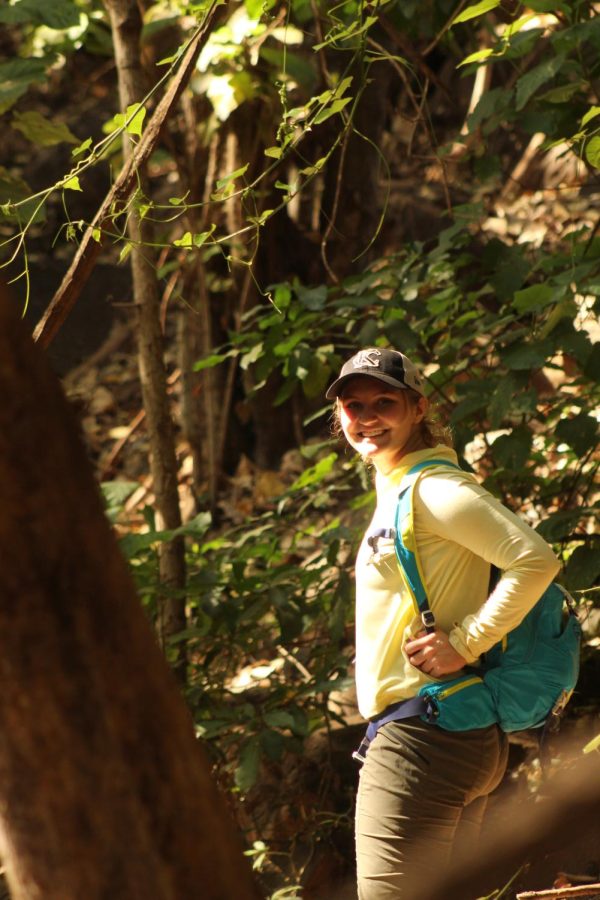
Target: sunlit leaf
{"x": 72, "y": 184}
{"x": 592, "y": 745}
{"x": 471, "y": 12}
{"x": 210, "y": 361}
{"x": 592, "y": 151}
{"x": 336, "y": 106}
{"x": 77, "y": 151}
{"x": 478, "y": 56}
{"x": 590, "y": 114}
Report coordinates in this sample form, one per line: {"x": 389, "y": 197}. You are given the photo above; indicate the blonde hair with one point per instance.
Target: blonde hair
{"x": 433, "y": 431}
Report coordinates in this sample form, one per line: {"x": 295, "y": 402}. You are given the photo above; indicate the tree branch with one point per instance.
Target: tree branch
{"x": 85, "y": 259}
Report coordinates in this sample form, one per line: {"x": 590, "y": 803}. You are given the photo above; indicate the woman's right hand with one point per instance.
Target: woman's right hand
{"x": 433, "y": 654}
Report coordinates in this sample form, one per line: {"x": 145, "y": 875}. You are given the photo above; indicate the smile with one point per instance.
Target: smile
{"x": 372, "y": 434}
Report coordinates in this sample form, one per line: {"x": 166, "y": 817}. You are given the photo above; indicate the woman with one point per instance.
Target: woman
{"x": 421, "y": 788}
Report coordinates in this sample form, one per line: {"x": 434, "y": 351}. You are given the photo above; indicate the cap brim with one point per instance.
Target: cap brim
{"x": 334, "y": 389}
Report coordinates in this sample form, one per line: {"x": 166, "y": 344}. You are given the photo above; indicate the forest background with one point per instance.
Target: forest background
{"x": 205, "y": 208}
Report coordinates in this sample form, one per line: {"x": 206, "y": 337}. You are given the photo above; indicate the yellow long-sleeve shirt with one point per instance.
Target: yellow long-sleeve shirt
{"x": 460, "y": 529}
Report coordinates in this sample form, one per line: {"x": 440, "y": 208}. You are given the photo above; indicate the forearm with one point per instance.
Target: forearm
{"x": 469, "y": 516}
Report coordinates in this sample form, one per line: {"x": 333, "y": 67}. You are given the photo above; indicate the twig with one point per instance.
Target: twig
{"x": 292, "y": 659}
{"x": 321, "y": 54}
{"x": 334, "y": 209}
{"x": 133, "y": 425}
{"x": 586, "y": 890}
{"x": 513, "y": 181}
{"x": 408, "y": 50}
{"x": 112, "y": 456}
{"x": 443, "y": 30}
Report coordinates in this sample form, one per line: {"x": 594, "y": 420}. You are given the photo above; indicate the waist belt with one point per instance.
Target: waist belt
{"x": 405, "y": 709}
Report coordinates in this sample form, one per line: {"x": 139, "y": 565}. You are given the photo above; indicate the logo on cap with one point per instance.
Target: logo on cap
{"x": 366, "y": 358}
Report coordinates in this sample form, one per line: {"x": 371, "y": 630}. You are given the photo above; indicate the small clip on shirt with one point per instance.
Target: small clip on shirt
{"x": 388, "y": 534}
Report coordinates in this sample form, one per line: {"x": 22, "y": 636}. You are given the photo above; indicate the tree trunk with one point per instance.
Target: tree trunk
{"x": 104, "y": 791}
{"x": 126, "y": 27}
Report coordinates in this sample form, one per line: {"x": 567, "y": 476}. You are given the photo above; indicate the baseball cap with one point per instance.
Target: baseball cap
{"x": 389, "y": 366}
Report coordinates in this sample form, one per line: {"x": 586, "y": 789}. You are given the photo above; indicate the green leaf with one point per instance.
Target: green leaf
{"x": 133, "y": 543}
{"x": 260, "y": 220}
{"x": 252, "y": 355}
{"x": 272, "y": 744}
{"x": 279, "y": 718}
{"x": 273, "y": 152}
{"x": 549, "y": 6}
{"x": 226, "y": 185}
{"x": 42, "y": 131}
{"x": 500, "y": 402}
{"x": 478, "y": 56}
{"x": 16, "y": 76}
{"x": 227, "y": 179}
{"x": 134, "y": 117}
{"x": 315, "y": 473}
{"x": 329, "y": 111}
{"x": 344, "y": 34}
{"x": 534, "y": 298}
{"x": 247, "y": 770}
{"x": 590, "y": 114}
{"x": 77, "y": 151}
{"x": 558, "y": 525}
{"x": 517, "y": 25}
{"x": 125, "y": 251}
{"x": 15, "y": 190}
{"x": 72, "y": 184}
{"x": 527, "y": 356}
{"x": 563, "y": 92}
{"x": 508, "y": 266}
{"x": 528, "y": 84}
{"x": 592, "y": 745}
{"x": 592, "y": 151}
{"x": 583, "y": 568}
{"x": 210, "y": 362}
{"x": 188, "y": 240}
{"x": 579, "y": 432}
{"x": 511, "y": 451}
{"x": 471, "y": 12}
{"x": 312, "y": 298}
{"x": 115, "y": 493}
{"x": 59, "y": 14}
{"x": 292, "y": 64}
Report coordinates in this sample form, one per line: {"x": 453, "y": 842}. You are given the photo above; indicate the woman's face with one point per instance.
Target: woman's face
{"x": 380, "y": 422}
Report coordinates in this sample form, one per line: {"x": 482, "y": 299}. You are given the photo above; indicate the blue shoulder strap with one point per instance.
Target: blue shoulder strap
{"x": 407, "y": 558}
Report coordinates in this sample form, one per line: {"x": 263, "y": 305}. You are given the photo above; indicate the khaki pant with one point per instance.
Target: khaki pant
{"x": 422, "y": 793}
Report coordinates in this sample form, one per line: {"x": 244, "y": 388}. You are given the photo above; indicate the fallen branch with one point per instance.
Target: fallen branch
{"x": 91, "y": 244}
{"x": 586, "y": 890}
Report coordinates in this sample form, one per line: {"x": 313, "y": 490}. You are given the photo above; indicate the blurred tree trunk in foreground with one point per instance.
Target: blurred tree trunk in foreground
{"x": 104, "y": 791}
